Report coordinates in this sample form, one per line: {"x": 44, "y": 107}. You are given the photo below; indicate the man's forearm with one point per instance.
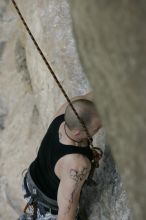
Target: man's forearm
{"x": 89, "y": 96}
{"x": 65, "y": 217}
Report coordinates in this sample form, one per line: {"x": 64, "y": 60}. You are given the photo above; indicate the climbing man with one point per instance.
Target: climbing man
{"x": 54, "y": 180}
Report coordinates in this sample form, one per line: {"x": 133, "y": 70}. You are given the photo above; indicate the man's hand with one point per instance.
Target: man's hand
{"x": 73, "y": 177}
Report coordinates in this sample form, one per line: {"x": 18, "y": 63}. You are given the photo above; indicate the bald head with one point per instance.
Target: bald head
{"x": 86, "y": 111}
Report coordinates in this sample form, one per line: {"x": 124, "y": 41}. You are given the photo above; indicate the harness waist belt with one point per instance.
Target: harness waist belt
{"x": 38, "y": 195}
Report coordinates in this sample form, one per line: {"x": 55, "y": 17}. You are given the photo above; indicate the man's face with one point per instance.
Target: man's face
{"x": 93, "y": 128}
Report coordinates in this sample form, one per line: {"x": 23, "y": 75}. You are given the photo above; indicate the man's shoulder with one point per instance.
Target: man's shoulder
{"x": 75, "y": 166}
{"x": 61, "y": 116}
{"x": 57, "y": 120}
{"x": 76, "y": 161}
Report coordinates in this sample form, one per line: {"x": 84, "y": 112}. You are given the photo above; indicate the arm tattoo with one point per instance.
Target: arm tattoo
{"x": 77, "y": 176}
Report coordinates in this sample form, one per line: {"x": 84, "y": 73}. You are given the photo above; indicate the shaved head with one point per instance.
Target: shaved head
{"x": 86, "y": 111}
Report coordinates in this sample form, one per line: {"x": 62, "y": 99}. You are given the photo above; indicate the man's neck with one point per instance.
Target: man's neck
{"x": 68, "y": 133}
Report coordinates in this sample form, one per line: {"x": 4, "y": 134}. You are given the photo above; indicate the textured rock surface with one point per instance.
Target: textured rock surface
{"x": 29, "y": 98}
{"x": 111, "y": 41}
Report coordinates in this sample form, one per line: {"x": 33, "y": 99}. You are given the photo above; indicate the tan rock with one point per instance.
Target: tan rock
{"x": 30, "y": 97}
{"x": 111, "y": 42}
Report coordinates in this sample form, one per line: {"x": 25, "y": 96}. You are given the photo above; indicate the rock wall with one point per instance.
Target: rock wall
{"x": 111, "y": 41}
{"x": 29, "y": 97}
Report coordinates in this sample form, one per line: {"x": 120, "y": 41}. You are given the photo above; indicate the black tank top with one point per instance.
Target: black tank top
{"x": 50, "y": 151}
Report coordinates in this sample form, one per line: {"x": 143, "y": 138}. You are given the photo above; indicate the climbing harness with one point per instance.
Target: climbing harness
{"x": 97, "y": 152}
{"x": 37, "y": 199}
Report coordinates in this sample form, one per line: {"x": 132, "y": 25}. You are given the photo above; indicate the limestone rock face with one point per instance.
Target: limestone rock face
{"x": 29, "y": 97}
{"x": 111, "y": 41}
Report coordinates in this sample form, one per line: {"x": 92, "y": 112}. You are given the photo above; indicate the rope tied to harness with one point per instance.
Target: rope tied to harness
{"x": 97, "y": 152}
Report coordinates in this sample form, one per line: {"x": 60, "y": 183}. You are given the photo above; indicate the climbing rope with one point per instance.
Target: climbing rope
{"x": 97, "y": 152}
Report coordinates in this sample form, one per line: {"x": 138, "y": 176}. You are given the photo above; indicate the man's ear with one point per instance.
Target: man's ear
{"x": 77, "y": 132}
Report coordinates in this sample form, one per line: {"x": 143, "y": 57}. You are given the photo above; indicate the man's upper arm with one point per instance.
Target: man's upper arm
{"x": 69, "y": 191}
